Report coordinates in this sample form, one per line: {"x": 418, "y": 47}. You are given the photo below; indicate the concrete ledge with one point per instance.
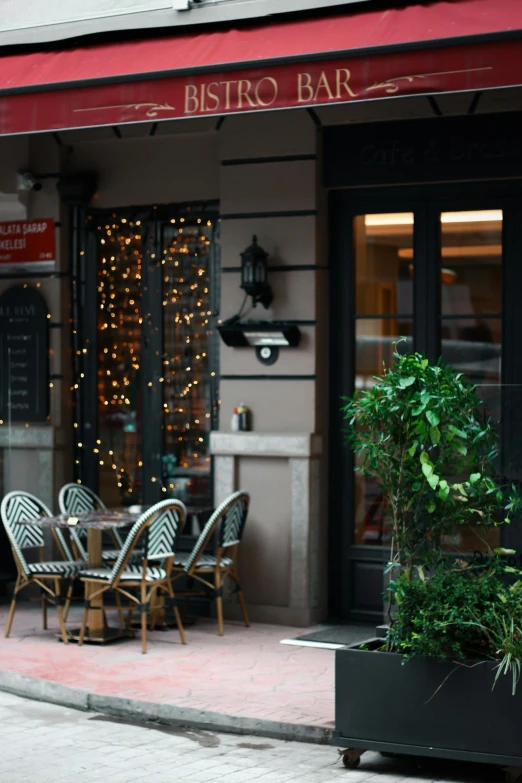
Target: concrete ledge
{"x": 262, "y": 444}
{"x": 166, "y": 714}
{"x": 18, "y": 436}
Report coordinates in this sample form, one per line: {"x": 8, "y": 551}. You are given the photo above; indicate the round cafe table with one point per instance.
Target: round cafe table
{"x": 95, "y": 522}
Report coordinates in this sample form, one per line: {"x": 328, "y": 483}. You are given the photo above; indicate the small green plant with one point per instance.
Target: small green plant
{"x": 421, "y": 437}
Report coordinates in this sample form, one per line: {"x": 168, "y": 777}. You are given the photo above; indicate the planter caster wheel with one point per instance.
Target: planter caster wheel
{"x": 351, "y": 757}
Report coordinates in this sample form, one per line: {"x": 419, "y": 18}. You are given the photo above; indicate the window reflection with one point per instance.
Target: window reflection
{"x": 471, "y": 298}
{"x": 471, "y": 322}
{"x": 384, "y": 268}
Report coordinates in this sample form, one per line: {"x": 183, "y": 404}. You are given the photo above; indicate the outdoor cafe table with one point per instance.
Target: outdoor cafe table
{"x": 95, "y": 522}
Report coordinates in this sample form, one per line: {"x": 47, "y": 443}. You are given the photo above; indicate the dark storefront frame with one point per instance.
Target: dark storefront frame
{"x": 84, "y": 338}
{"x": 356, "y": 570}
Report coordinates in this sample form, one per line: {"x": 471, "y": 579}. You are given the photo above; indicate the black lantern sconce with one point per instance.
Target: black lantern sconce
{"x": 266, "y": 337}
{"x": 254, "y": 275}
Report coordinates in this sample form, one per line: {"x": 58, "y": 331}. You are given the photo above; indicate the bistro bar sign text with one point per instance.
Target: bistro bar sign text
{"x": 238, "y": 94}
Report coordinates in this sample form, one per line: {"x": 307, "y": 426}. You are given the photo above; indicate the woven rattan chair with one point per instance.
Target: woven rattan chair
{"x": 47, "y": 575}
{"x": 76, "y": 499}
{"x": 212, "y": 571}
{"x": 156, "y": 531}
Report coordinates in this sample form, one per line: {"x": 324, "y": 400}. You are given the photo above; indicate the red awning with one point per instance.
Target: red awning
{"x": 422, "y": 49}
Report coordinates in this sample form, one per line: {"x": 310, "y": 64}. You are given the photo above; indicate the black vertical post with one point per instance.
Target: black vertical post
{"x": 342, "y": 351}
{"x": 511, "y": 417}
{"x": 152, "y": 362}
{"x": 426, "y": 282}
{"x": 86, "y": 343}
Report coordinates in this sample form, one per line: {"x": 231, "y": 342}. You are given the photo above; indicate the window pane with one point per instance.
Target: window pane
{"x": 375, "y": 338}
{"x": 187, "y": 390}
{"x": 471, "y": 264}
{"x": 471, "y": 290}
{"x": 473, "y": 346}
{"x": 119, "y": 359}
{"x": 384, "y": 264}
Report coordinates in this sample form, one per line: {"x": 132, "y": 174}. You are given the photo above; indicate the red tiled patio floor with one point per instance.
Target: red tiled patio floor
{"x": 246, "y": 673}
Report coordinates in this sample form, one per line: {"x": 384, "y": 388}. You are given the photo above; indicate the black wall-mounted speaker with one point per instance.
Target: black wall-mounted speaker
{"x": 77, "y": 189}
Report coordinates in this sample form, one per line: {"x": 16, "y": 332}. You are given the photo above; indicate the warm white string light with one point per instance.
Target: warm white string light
{"x": 186, "y": 291}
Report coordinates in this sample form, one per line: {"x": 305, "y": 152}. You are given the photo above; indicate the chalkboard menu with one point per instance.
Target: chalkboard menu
{"x": 24, "y": 356}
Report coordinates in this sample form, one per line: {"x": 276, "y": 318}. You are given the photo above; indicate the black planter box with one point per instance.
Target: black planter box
{"x": 425, "y": 707}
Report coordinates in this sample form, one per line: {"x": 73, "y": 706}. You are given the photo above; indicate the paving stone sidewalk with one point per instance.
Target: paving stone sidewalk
{"x": 45, "y": 743}
{"x": 247, "y": 674}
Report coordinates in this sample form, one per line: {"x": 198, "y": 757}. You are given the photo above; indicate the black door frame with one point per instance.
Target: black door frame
{"x": 352, "y": 565}
{"x": 84, "y": 332}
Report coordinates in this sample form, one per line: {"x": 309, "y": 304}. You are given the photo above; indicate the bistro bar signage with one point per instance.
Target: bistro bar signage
{"x": 229, "y": 89}
{"x": 24, "y": 356}
{"x": 27, "y": 245}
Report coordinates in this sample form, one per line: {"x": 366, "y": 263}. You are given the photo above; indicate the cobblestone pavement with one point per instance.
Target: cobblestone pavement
{"x": 44, "y": 743}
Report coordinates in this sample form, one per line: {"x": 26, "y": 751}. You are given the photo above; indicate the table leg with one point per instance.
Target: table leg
{"x": 97, "y": 628}
{"x": 95, "y": 622}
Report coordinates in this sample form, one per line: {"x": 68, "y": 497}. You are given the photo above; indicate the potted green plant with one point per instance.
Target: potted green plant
{"x": 455, "y": 619}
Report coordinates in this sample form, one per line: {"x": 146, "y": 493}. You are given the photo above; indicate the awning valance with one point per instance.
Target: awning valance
{"x": 421, "y": 49}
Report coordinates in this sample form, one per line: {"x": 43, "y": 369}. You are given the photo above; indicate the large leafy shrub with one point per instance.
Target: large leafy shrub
{"x": 421, "y": 437}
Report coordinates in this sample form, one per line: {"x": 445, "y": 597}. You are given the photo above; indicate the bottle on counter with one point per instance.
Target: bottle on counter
{"x": 235, "y": 423}
{"x": 244, "y": 418}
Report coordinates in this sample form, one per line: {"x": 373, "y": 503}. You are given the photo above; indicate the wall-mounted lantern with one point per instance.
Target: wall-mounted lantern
{"x": 267, "y": 337}
{"x": 254, "y": 274}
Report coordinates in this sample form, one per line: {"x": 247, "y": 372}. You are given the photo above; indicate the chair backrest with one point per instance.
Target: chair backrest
{"x": 232, "y": 514}
{"x": 76, "y": 499}
{"x": 233, "y": 520}
{"x": 22, "y": 506}
{"x": 160, "y": 526}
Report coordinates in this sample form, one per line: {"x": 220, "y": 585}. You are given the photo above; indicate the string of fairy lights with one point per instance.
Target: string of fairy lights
{"x": 124, "y": 247}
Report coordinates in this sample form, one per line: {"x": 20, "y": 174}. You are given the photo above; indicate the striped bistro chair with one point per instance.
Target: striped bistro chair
{"x": 156, "y": 530}
{"x": 76, "y": 499}
{"x": 229, "y": 519}
{"x": 47, "y": 575}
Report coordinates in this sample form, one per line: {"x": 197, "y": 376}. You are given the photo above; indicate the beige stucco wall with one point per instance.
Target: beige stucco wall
{"x": 41, "y": 465}
{"x": 183, "y": 162}
{"x": 276, "y": 196}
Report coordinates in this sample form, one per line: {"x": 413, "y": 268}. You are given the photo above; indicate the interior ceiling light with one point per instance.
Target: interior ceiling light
{"x": 466, "y": 251}
{"x": 406, "y": 218}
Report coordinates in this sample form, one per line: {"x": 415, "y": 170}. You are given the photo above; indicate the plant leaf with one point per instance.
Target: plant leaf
{"x": 433, "y": 418}
{"x": 427, "y": 469}
{"x": 433, "y": 480}
{"x": 435, "y": 435}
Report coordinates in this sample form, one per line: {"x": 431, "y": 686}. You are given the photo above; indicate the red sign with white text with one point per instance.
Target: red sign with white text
{"x": 431, "y": 71}
{"x": 27, "y": 245}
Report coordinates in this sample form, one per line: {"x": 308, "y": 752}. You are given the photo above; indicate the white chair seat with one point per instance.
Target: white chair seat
{"x": 205, "y": 561}
{"x": 111, "y": 555}
{"x": 132, "y": 573}
{"x": 67, "y": 569}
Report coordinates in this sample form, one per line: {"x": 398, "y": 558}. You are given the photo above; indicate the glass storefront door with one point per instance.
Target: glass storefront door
{"x": 433, "y": 272}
